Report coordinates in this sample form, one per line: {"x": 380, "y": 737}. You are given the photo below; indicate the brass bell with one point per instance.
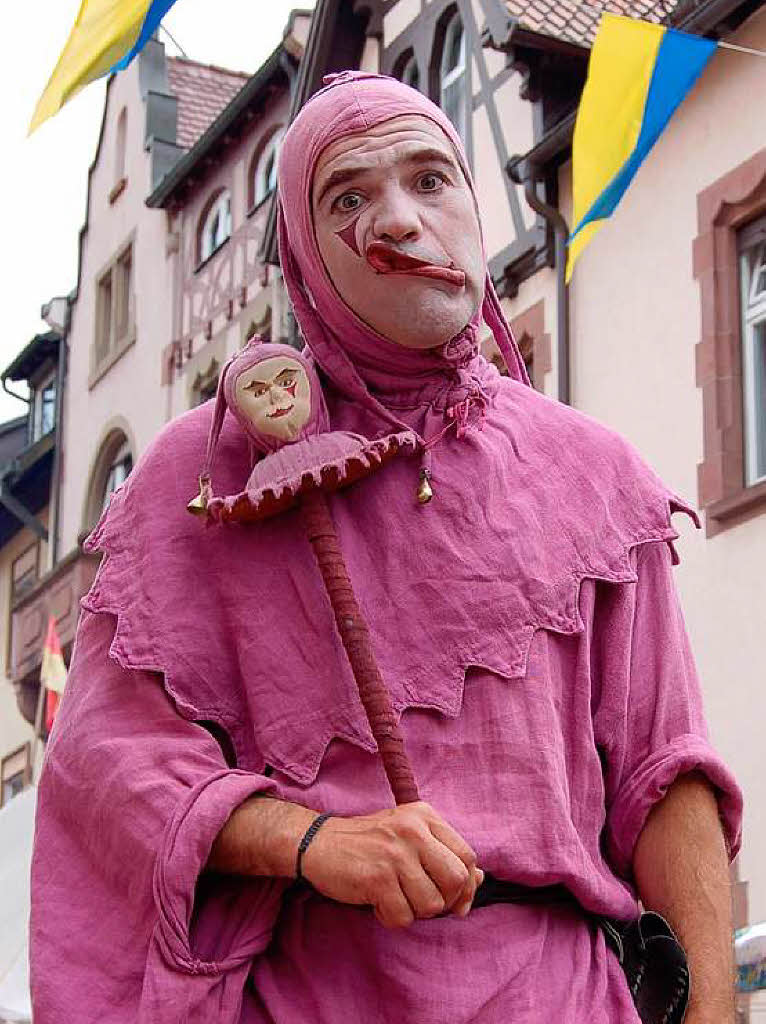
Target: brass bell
{"x": 425, "y": 491}
{"x": 198, "y": 505}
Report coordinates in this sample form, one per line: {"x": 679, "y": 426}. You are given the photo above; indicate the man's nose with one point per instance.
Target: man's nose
{"x": 397, "y": 218}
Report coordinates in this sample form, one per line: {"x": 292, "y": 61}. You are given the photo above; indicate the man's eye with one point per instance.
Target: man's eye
{"x": 430, "y": 182}
{"x": 347, "y": 202}
{"x": 257, "y": 389}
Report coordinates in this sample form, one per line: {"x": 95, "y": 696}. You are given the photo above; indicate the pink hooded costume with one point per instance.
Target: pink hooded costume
{"x": 528, "y": 628}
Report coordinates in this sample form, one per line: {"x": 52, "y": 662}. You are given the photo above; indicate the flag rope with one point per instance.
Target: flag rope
{"x": 742, "y": 49}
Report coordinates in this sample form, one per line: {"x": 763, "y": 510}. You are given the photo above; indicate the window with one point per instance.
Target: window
{"x": 216, "y": 227}
{"x": 410, "y": 73}
{"x": 119, "y": 149}
{"x": 452, "y": 75}
{"x": 117, "y": 473}
{"x": 25, "y": 572}
{"x": 115, "y": 312}
{"x": 753, "y": 297}
{"x": 728, "y": 264}
{"x": 265, "y": 174}
{"x": 123, "y": 277}
{"x": 43, "y": 408}
{"x": 15, "y": 772}
{"x": 104, "y": 317}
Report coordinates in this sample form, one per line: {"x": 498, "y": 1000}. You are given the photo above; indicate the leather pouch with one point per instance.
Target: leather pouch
{"x": 655, "y": 966}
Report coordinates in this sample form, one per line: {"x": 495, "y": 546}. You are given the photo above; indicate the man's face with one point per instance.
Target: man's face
{"x": 397, "y": 229}
{"x": 275, "y": 395}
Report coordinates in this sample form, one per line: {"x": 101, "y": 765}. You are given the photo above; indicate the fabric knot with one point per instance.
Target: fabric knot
{"x": 343, "y": 77}
{"x": 460, "y": 350}
{"x": 459, "y": 417}
{"x": 460, "y": 414}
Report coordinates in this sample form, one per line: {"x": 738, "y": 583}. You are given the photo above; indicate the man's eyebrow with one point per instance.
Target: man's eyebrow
{"x": 428, "y": 155}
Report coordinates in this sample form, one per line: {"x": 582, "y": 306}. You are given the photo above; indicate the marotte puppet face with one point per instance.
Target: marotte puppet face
{"x": 275, "y": 395}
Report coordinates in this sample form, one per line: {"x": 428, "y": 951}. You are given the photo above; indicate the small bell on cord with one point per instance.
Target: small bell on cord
{"x": 198, "y": 505}
{"x": 425, "y": 491}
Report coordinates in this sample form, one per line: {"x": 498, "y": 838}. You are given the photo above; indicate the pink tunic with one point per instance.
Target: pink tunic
{"x": 518, "y": 772}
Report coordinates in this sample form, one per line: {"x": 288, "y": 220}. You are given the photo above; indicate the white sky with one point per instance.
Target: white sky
{"x": 43, "y": 178}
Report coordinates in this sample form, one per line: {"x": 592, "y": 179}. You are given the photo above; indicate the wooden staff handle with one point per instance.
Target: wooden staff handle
{"x": 355, "y": 634}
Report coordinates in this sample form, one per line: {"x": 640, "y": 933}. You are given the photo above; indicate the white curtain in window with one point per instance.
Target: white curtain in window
{"x": 453, "y": 76}
{"x": 266, "y": 168}
{"x": 753, "y": 278}
{"x": 217, "y": 226}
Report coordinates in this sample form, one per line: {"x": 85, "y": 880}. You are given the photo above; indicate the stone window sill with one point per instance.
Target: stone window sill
{"x": 736, "y": 507}
{"x": 111, "y": 358}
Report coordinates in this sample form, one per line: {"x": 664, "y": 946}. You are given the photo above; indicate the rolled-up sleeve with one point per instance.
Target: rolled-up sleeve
{"x": 125, "y": 926}
{"x": 649, "y": 722}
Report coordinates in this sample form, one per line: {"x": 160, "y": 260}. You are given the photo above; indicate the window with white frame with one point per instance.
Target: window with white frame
{"x": 453, "y": 80}
{"x": 411, "y": 73}
{"x": 753, "y": 289}
{"x": 216, "y": 227}
{"x": 117, "y": 472}
{"x": 43, "y": 400}
{"x": 265, "y": 176}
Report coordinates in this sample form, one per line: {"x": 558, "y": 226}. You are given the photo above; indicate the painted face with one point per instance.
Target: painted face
{"x": 397, "y": 229}
{"x": 275, "y": 395}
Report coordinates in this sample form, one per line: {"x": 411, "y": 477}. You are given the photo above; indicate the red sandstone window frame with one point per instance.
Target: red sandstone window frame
{"x": 723, "y": 210}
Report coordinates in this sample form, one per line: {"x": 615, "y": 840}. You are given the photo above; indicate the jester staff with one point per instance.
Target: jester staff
{"x": 275, "y": 395}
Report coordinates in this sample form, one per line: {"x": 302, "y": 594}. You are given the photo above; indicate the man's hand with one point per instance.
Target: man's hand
{"x": 406, "y": 863}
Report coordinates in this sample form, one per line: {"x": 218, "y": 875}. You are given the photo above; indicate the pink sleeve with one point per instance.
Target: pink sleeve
{"x": 130, "y": 801}
{"x": 649, "y": 721}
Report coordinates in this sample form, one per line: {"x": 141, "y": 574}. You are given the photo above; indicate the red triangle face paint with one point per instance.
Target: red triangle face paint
{"x": 348, "y": 235}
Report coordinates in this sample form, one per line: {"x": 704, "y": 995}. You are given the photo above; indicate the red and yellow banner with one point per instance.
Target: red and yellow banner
{"x": 52, "y": 672}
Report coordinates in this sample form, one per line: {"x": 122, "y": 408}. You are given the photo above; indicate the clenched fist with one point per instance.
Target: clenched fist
{"x": 406, "y": 863}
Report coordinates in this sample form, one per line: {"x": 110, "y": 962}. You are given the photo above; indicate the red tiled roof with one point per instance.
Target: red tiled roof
{"x": 577, "y": 22}
{"x": 203, "y": 90}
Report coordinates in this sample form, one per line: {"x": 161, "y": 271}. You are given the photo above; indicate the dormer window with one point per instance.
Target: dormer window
{"x": 216, "y": 226}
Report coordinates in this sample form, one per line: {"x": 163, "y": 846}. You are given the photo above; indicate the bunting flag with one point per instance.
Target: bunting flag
{"x": 52, "y": 672}
{"x": 106, "y": 36}
{"x": 638, "y": 75}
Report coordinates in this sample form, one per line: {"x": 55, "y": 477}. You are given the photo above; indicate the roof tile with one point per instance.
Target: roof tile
{"x": 203, "y": 90}
{"x": 577, "y": 21}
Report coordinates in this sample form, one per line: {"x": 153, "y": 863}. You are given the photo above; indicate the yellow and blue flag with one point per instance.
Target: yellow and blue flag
{"x": 106, "y": 36}
{"x": 638, "y": 75}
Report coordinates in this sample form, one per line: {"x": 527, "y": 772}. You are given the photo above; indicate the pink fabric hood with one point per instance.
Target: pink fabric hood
{"x": 352, "y": 354}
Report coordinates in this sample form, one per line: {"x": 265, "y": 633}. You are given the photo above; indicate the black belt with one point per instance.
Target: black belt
{"x": 495, "y": 890}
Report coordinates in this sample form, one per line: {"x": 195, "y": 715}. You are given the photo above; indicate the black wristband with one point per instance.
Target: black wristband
{"x": 311, "y": 831}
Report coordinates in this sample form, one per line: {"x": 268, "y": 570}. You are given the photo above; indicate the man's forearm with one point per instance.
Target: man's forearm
{"x": 681, "y": 870}
{"x": 261, "y": 838}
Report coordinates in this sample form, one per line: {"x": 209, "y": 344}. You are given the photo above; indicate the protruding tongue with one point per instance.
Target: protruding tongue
{"x": 386, "y": 260}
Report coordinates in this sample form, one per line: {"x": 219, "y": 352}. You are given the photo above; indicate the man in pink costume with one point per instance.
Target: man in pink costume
{"x": 525, "y": 621}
